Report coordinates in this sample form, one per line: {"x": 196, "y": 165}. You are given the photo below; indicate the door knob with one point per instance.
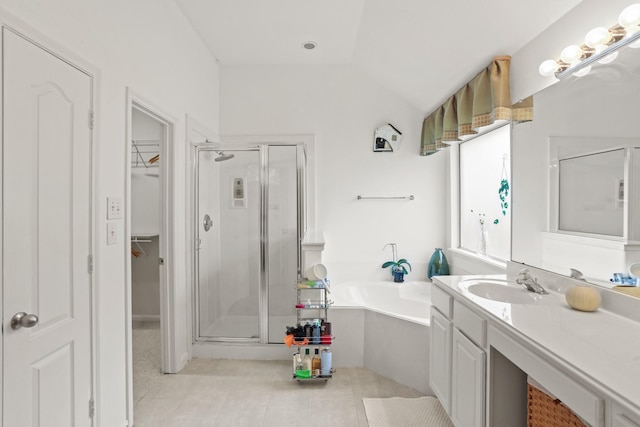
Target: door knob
{"x": 23, "y": 319}
{"x": 207, "y": 222}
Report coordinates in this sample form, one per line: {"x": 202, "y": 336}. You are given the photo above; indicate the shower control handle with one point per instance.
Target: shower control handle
{"x": 207, "y": 222}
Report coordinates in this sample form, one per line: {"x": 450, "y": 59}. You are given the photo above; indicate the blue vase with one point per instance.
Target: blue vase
{"x": 438, "y": 265}
{"x": 398, "y": 276}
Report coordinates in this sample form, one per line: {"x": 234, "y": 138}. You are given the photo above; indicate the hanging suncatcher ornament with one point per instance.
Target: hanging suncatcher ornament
{"x": 503, "y": 191}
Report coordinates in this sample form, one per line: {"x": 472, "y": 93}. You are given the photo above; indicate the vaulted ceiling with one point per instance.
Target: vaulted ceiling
{"x": 422, "y": 49}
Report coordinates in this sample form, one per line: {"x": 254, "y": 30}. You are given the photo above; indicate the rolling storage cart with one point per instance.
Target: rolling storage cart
{"x": 313, "y": 331}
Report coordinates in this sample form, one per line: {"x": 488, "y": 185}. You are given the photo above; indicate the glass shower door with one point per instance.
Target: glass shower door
{"x": 228, "y": 260}
{"x": 283, "y": 238}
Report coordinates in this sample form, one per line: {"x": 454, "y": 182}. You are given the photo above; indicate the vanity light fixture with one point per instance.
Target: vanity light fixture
{"x": 600, "y": 44}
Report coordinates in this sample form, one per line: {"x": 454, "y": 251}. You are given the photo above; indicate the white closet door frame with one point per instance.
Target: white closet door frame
{"x": 17, "y": 25}
{"x": 172, "y": 358}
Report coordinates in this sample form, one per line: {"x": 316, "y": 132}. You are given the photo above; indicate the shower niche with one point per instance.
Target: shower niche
{"x": 238, "y": 199}
{"x": 249, "y": 218}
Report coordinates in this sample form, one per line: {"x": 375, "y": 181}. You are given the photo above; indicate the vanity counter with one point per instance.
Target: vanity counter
{"x": 600, "y": 348}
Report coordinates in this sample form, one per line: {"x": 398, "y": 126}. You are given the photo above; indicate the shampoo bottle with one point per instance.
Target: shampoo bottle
{"x": 315, "y": 332}
{"x": 307, "y": 330}
{"x": 325, "y": 362}
{"x": 316, "y": 364}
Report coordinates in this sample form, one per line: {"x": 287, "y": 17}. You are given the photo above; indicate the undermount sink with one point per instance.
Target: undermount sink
{"x": 499, "y": 290}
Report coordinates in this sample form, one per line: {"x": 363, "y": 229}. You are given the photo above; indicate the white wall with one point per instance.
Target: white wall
{"x": 146, "y": 45}
{"x": 342, "y": 106}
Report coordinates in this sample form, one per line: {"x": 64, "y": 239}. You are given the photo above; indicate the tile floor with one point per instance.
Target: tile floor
{"x": 238, "y": 393}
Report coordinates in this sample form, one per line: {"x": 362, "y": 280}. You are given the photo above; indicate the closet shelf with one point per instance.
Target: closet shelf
{"x": 142, "y": 238}
{"x": 145, "y": 153}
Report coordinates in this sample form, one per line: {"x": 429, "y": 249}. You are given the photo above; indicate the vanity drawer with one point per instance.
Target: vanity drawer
{"x": 442, "y": 301}
{"x": 471, "y": 324}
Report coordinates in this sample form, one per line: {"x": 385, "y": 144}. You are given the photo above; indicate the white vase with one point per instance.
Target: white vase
{"x": 483, "y": 243}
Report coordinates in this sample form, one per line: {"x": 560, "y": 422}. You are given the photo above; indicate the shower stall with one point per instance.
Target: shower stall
{"x": 250, "y": 215}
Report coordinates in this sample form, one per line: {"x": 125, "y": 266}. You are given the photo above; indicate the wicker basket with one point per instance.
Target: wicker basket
{"x": 545, "y": 411}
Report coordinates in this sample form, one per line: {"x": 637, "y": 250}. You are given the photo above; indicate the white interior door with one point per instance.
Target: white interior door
{"x": 46, "y": 237}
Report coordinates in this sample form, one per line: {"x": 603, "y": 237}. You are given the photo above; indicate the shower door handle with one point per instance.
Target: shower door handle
{"x": 207, "y": 222}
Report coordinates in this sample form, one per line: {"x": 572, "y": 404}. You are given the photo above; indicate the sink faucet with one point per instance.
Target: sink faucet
{"x": 531, "y": 283}
{"x": 576, "y": 274}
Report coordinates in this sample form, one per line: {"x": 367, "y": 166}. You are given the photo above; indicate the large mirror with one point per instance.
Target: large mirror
{"x": 576, "y": 185}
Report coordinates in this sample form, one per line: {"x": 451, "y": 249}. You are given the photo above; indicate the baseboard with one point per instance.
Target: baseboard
{"x": 145, "y": 317}
{"x": 184, "y": 359}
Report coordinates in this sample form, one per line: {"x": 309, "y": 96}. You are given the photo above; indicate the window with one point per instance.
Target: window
{"x": 485, "y": 194}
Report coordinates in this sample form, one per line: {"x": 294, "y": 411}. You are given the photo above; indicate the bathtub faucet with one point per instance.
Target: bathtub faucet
{"x": 394, "y": 250}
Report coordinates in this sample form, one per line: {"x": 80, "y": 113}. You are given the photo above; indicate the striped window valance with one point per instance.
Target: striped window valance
{"x": 483, "y": 101}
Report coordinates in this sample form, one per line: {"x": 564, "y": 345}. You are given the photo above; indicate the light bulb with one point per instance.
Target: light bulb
{"x": 548, "y": 67}
{"x": 630, "y": 16}
{"x": 597, "y": 37}
{"x": 583, "y": 72}
{"x": 571, "y": 54}
{"x": 609, "y": 58}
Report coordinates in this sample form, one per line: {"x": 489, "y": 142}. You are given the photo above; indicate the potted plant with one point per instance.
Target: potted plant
{"x": 398, "y": 270}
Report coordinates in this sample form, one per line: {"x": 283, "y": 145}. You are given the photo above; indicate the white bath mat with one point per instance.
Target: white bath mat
{"x": 405, "y": 412}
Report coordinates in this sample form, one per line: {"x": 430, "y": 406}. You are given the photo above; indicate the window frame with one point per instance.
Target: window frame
{"x": 455, "y": 203}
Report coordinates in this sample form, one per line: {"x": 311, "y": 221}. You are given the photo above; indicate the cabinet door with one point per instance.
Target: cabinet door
{"x": 468, "y": 382}
{"x": 621, "y": 418}
{"x": 440, "y": 358}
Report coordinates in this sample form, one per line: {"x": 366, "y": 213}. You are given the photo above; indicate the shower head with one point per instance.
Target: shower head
{"x": 222, "y": 157}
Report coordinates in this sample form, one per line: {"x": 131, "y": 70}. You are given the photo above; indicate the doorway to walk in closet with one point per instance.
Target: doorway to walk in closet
{"x": 148, "y": 154}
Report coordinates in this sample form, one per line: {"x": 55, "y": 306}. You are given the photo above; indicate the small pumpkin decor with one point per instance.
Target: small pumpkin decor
{"x": 398, "y": 269}
{"x": 583, "y": 298}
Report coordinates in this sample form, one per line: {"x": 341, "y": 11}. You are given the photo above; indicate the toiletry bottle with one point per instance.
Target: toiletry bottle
{"x": 307, "y": 330}
{"x": 325, "y": 362}
{"x": 299, "y": 367}
{"x": 325, "y": 332}
{"x": 306, "y": 361}
{"x": 315, "y": 332}
{"x": 297, "y": 362}
{"x": 316, "y": 364}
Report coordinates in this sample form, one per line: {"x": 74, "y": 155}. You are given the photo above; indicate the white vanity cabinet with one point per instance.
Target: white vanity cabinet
{"x": 440, "y": 358}
{"x": 484, "y": 355}
{"x": 457, "y": 363}
{"x": 467, "y": 383}
{"x": 468, "y": 367}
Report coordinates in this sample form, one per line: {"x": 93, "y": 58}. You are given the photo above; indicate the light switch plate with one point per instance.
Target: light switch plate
{"x": 112, "y": 233}
{"x": 114, "y": 208}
